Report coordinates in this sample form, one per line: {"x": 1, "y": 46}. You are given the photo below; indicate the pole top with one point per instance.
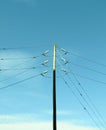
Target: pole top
{"x": 54, "y": 58}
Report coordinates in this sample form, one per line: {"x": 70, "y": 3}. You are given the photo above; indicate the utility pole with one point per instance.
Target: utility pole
{"x": 54, "y": 89}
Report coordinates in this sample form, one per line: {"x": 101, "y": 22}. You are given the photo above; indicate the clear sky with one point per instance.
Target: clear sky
{"x": 30, "y": 27}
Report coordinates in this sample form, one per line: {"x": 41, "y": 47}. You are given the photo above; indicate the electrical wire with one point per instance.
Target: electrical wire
{"x": 85, "y": 77}
{"x": 94, "y": 107}
{"x": 71, "y": 63}
{"x": 95, "y": 113}
{"x": 94, "y": 121}
{"x": 88, "y": 59}
{"x": 15, "y": 83}
{"x": 84, "y": 58}
{"x": 78, "y": 65}
{"x": 23, "y": 58}
{"x": 27, "y": 68}
{"x": 22, "y": 47}
{"x": 82, "y": 76}
{"x": 101, "y": 122}
{"x": 15, "y": 75}
{"x": 14, "y": 67}
{"x": 7, "y": 69}
{"x": 18, "y": 58}
{"x": 10, "y": 85}
{"x": 22, "y": 63}
{"x": 20, "y": 73}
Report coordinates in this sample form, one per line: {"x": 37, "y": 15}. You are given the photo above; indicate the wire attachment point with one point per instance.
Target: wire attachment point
{"x": 64, "y": 60}
{"x": 45, "y": 53}
{"x": 43, "y": 73}
{"x": 63, "y": 50}
{"x": 65, "y": 71}
{"x": 45, "y": 62}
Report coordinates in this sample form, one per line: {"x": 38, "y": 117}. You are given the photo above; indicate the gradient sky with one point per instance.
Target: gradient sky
{"x": 78, "y": 26}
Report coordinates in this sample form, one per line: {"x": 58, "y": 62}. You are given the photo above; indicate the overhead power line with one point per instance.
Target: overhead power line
{"x": 78, "y": 65}
{"x": 93, "y": 105}
{"x": 80, "y": 56}
{"x": 85, "y": 77}
{"x": 92, "y": 118}
{"x": 100, "y": 122}
{"x": 15, "y": 83}
{"x": 60, "y": 58}
{"x": 44, "y": 63}
{"x": 7, "y": 69}
{"x": 81, "y": 66}
{"x": 10, "y": 85}
{"x": 22, "y": 47}
{"x": 24, "y": 58}
{"x": 93, "y": 111}
{"x": 89, "y": 104}
{"x": 18, "y": 58}
{"x": 87, "y": 68}
{"x": 87, "y": 59}
{"x": 15, "y": 75}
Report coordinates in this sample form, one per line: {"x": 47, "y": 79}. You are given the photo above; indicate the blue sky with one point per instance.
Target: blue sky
{"x": 77, "y": 26}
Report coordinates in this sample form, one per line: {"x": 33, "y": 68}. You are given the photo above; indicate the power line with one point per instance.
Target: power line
{"x": 85, "y": 77}
{"x": 43, "y": 74}
{"x": 21, "y": 47}
{"x": 94, "y": 107}
{"x": 7, "y": 69}
{"x": 18, "y": 58}
{"x": 27, "y": 68}
{"x": 43, "y": 63}
{"x": 84, "y": 58}
{"x": 24, "y": 58}
{"x": 98, "y": 117}
{"x": 88, "y": 59}
{"x": 95, "y": 113}
{"x": 10, "y": 85}
{"x": 94, "y": 121}
{"x": 78, "y": 65}
{"x": 13, "y": 76}
{"x": 84, "y": 67}
{"x": 82, "y": 76}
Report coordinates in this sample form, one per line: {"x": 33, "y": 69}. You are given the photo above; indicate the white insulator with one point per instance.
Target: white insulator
{"x": 65, "y": 71}
{"x": 45, "y": 72}
{"x": 65, "y": 52}
{"x": 63, "y": 59}
{"x": 45, "y": 62}
{"x": 45, "y": 53}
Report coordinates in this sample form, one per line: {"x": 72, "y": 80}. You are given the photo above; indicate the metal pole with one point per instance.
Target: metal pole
{"x": 54, "y": 89}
